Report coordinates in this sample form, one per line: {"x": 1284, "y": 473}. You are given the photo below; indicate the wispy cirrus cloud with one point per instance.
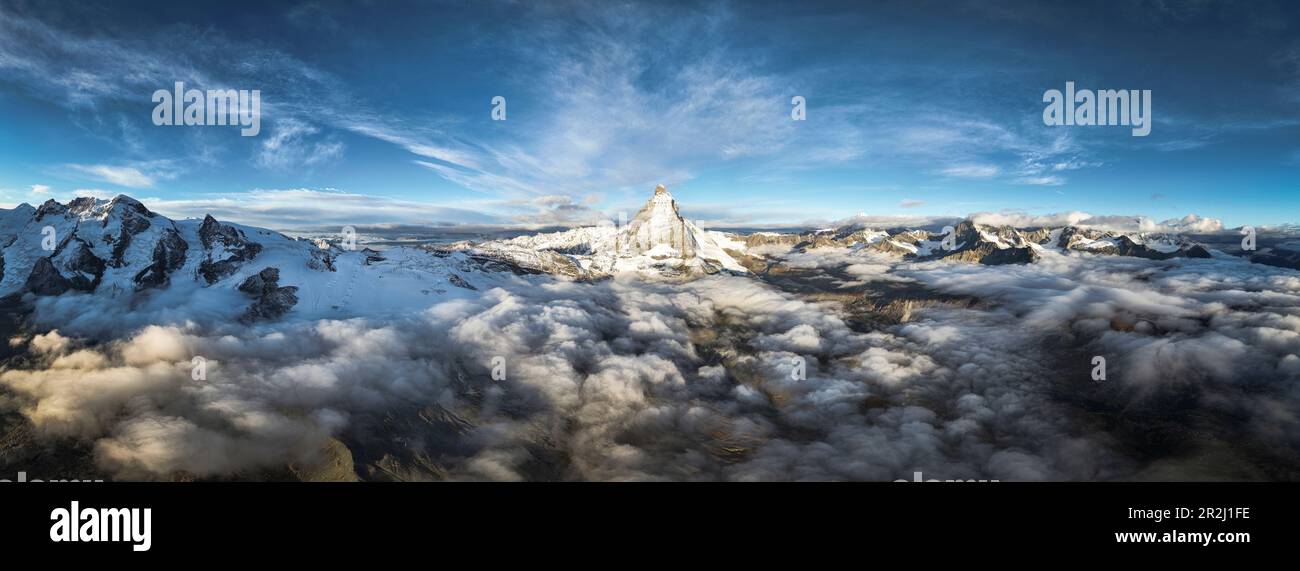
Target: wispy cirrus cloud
{"x": 1048, "y": 180}
{"x": 112, "y": 73}
{"x": 287, "y": 209}
{"x": 139, "y": 175}
{"x": 971, "y": 171}
{"x": 608, "y": 99}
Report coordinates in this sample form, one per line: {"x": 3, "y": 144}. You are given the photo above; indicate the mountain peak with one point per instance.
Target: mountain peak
{"x": 657, "y": 224}
{"x": 660, "y": 232}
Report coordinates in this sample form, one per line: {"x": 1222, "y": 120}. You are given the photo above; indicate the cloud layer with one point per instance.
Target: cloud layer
{"x": 637, "y": 380}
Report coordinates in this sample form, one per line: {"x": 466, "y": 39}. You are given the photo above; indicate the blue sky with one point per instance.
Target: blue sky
{"x": 380, "y": 112}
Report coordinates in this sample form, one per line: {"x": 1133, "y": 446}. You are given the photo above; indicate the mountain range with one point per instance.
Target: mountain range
{"x": 118, "y": 249}
{"x": 655, "y": 337}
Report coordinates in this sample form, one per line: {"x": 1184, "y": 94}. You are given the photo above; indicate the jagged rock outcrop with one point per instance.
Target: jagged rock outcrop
{"x": 168, "y": 256}
{"x": 1135, "y": 245}
{"x": 528, "y": 262}
{"x": 1279, "y": 257}
{"x": 458, "y": 281}
{"x": 120, "y": 252}
{"x": 372, "y": 256}
{"x": 131, "y": 219}
{"x": 771, "y": 238}
{"x": 81, "y": 205}
{"x": 227, "y": 249}
{"x": 892, "y": 248}
{"x": 272, "y": 301}
{"x": 971, "y": 242}
{"x": 1197, "y": 251}
{"x": 1125, "y": 246}
{"x": 84, "y": 269}
{"x": 991, "y": 255}
{"x": 49, "y": 207}
{"x": 1073, "y": 236}
{"x": 261, "y": 282}
{"x": 45, "y": 280}
{"x": 322, "y": 259}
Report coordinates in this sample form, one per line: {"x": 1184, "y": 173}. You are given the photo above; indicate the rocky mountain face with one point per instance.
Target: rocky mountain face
{"x": 271, "y": 300}
{"x": 87, "y": 244}
{"x": 1280, "y": 257}
{"x": 118, "y": 253}
{"x": 657, "y": 239}
{"x": 985, "y": 244}
{"x": 658, "y": 229}
{"x": 120, "y": 250}
{"x": 225, "y": 248}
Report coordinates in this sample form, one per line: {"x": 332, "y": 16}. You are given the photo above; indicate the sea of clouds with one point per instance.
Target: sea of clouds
{"x": 637, "y": 379}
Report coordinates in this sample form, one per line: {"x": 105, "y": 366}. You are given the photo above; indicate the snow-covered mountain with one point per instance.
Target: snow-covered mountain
{"x": 122, "y": 252}
{"x": 987, "y": 244}
{"x": 375, "y": 364}
{"x": 658, "y": 239}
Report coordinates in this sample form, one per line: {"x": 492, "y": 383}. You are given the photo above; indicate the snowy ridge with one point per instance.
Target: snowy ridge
{"x": 985, "y": 244}
{"x": 119, "y": 251}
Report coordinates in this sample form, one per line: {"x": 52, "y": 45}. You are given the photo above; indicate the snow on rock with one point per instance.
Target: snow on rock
{"x": 119, "y": 254}
{"x": 658, "y": 240}
{"x": 123, "y": 254}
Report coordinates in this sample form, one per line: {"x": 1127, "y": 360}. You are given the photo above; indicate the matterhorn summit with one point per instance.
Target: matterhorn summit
{"x": 658, "y": 240}
{"x": 658, "y": 230}
{"x": 659, "y": 237}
